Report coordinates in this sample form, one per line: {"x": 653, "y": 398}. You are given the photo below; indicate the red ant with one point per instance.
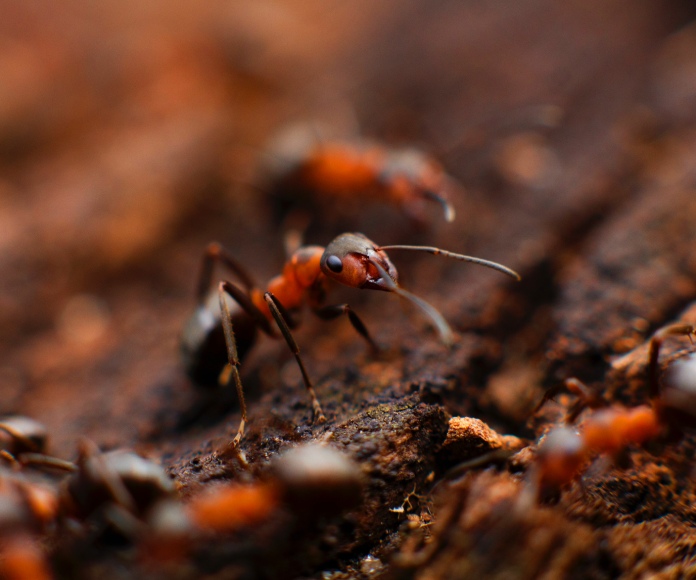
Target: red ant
{"x": 304, "y": 169}
{"x": 563, "y": 452}
{"x": 230, "y": 328}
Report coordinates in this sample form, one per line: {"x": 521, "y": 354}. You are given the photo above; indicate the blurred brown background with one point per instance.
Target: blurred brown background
{"x": 130, "y": 134}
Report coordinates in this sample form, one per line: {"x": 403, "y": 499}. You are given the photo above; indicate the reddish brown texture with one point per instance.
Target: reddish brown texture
{"x": 130, "y": 135}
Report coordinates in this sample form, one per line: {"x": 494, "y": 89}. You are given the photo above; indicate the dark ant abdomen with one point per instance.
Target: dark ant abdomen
{"x": 203, "y": 348}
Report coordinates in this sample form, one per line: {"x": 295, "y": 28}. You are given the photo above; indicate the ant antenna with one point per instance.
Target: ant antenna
{"x": 446, "y": 334}
{"x": 446, "y": 205}
{"x": 461, "y": 257}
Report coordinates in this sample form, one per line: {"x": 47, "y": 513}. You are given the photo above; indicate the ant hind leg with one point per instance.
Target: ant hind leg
{"x": 231, "y": 371}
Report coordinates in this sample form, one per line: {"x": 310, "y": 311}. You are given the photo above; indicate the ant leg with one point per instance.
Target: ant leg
{"x": 232, "y": 368}
{"x": 275, "y": 307}
{"x": 654, "y": 352}
{"x": 242, "y": 298}
{"x": 41, "y": 460}
{"x": 287, "y": 318}
{"x": 548, "y": 396}
{"x": 216, "y": 253}
{"x": 88, "y": 451}
{"x": 26, "y": 442}
{"x": 11, "y": 459}
{"x": 331, "y": 312}
{"x": 586, "y": 398}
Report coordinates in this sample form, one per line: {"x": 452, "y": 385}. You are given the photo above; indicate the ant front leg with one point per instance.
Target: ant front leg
{"x": 331, "y": 312}
{"x": 275, "y": 307}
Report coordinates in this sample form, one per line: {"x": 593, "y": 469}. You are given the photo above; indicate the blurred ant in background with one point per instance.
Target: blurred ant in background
{"x": 27, "y": 510}
{"x": 303, "y": 171}
{"x": 611, "y": 428}
{"x": 564, "y": 452}
{"x": 115, "y": 490}
{"x": 298, "y": 492}
{"x": 311, "y": 169}
{"x": 312, "y": 480}
{"x": 24, "y": 441}
{"x": 224, "y": 325}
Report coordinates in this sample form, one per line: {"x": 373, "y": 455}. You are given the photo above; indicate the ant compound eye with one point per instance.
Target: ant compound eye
{"x": 334, "y": 264}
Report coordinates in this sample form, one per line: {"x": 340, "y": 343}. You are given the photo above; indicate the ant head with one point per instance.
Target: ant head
{"x": 560, "y": 455}
{"x": 679, "y": 388}
{"x": 353, "y": 260}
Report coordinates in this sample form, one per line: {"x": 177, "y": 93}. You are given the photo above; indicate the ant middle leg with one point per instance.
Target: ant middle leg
{"x": 275, "y": 307}
{"x": 331, "y": 312}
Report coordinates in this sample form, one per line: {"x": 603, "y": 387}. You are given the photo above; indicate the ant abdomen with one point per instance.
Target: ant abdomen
{"x": 203, "y": 347}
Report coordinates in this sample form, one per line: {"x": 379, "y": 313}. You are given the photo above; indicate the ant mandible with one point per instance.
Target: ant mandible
{"x": 225, "y": 323}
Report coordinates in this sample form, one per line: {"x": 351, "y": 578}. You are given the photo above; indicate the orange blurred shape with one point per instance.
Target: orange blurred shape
{"x": 42, "y": 502}
{"x": 642, "y": 426}
{"x": 561, "y": 454}
{"x": 229, "y": 508}
{"x": 22, "y": 559}
{"x": 603, "y": 431}
{"x": 610, "y": 430}
{"x": 342, "y": 170}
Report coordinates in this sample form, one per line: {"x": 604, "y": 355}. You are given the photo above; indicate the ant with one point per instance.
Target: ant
{"x": 609, "y": 430}
{"x": 225, "y": 323}
{"x": 27, "y": 509}
{"x": 304, "y": 486}
{"x": 311, "y": 481}
{"x": 119, "y": 486}
{"x": 304, "y": 169}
